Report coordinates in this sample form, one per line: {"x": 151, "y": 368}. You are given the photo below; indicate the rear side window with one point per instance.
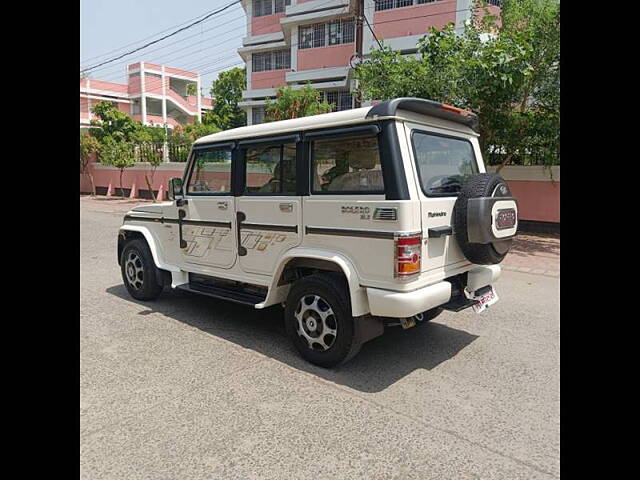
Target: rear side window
{"x": 271, "y": 169}
{"x": 211, "y": 172}
{"x": 443, "y": 162}
{"x": 346, "y": 165}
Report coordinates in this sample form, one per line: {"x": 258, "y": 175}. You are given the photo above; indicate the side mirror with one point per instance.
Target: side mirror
{"x": 175, "y": 188}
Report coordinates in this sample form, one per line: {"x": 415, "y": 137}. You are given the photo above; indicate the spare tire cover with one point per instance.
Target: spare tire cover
{"x": 480, "y": 185}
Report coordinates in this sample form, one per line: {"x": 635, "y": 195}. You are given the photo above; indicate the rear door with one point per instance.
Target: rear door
{"x": 346, "y": 210}
{"x": 269, "y": 210}
{"x": 441, "y": 159}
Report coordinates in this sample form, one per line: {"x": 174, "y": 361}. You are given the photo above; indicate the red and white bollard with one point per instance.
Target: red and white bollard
{"x": 110, "y": 190}
{"x": 134, "y": 191}
{"x": 160, "y": 196}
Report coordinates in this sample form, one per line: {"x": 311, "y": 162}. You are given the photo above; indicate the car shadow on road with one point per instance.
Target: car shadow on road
{"x": 381, "y": 362}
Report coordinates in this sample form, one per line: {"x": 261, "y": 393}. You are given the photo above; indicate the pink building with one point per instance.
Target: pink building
{"x": 292, "y": 42}
{"x": 153, "y": 95}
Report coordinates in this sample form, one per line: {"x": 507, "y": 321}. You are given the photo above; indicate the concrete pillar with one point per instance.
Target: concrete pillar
{"x": 143, "y": 97}
{"x": 164, "y": 98}
{"x": 463, "y": 14}
{"x": 199, "y": 100}
{"x": 88, "y": 99}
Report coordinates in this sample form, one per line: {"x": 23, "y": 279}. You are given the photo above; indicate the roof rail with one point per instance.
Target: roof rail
{"x": 427, "y": 107}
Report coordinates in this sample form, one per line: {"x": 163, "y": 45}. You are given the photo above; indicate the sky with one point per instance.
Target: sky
{"x": 207, "y": 48}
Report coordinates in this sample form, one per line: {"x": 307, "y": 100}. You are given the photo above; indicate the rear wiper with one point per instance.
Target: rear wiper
{"x": 450, "y": 186}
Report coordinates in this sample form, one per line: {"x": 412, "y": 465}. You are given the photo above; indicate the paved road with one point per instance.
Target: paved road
{"x": 188, "y": 387}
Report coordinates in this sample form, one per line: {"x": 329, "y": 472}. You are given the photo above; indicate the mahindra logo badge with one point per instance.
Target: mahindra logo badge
{"x": 437, "y": 214}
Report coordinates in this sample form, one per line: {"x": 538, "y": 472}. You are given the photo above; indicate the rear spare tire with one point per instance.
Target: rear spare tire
{"x": 469, "y": 227}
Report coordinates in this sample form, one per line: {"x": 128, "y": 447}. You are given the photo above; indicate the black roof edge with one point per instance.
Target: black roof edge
{"x": 432, "y": 108}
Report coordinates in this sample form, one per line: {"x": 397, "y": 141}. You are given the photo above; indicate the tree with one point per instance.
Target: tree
{"x": 189, "y": 133}
{"x": 117, "y": 154}
{"x": 112, "y": 123}
{"x": 89, "y": 145}
{"x": 509, "y": 73}
{"x": 290, "y": 103}
{"x": 226, "y": 93}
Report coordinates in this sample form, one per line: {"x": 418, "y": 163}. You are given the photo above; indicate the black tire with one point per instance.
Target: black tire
{"x": 333, "y": 292}
{"x": 139, "y": 272}
{"x": 429, "y": 315}
{"x": 480, "y": 185}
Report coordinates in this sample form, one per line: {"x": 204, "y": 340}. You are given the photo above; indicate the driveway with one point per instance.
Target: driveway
{"x": 190, "y": 387}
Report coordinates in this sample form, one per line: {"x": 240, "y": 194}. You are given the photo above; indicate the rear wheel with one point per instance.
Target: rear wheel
{"x": 318, "y": 320}
{"x": 139, "y": 272}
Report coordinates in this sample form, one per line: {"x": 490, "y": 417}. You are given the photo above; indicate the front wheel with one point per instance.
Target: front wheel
{"x": 139, "y": 272}
{"x": 318, "y": 320}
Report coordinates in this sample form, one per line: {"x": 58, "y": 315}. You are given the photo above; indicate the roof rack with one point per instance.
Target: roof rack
{"x": 427, "y": 107}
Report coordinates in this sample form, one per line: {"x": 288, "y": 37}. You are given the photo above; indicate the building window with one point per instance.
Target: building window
{"x": 275, "y": 60}
{"x": 280, "y": 5}
{"x": 261, "y": 8}
{"x": 338, "y": 100}
{"x": 269, "y": 7}
{"x": 389, "y": 4}
{"x": 321, "y": 34}
{"x": 341, "y": 31}
{"x": 257, "y": 115}
{"x": 135, "y": 107}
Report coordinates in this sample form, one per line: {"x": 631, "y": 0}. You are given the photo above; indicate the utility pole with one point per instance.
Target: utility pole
{"x": 359, "y": 14}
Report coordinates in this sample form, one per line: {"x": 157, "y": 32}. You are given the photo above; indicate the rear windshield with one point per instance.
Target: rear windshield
{"x": 443, "y": 162}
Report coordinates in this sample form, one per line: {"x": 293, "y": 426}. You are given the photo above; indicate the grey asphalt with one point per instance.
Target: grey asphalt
{"x": 192, "y": 388}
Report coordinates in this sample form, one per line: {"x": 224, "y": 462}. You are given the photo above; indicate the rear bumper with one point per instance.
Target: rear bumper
{"x": 387, "y": 303}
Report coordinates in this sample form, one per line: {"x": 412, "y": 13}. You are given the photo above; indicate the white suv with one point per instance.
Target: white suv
{"x": 352, "y": 220}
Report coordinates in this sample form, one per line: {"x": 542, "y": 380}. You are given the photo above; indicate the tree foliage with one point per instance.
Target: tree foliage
{"x": 508, "y": 72}
{"x": 226, "y": 93}
{"x": 189, "y": 133}
{"x": 117, "y": 154}
{"x": 89, "y": 145}
{"x": 112, "y": 123}
{"x": 290, "y": 103}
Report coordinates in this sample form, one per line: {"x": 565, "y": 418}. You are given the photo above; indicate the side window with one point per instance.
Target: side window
{"x": 211, "y": 172}
{"x": 271, "y": 169}
{"x": 346, "y": 165}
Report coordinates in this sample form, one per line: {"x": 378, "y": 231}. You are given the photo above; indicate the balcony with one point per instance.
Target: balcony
{"x": 314, "y": 11}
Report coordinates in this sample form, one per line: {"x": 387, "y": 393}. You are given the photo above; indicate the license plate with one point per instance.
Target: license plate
{"x": 485, "y": 300}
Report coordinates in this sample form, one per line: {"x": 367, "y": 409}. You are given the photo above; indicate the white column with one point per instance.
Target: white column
{"x": 368, "y": 40}
{"x": 165, "y": 147}
{"x": 88, "y": 99}
{"x": 463, "y": 13}
{"x": 164, "y": 98}
{"x": 143, "y": 97}
{"x": 198, "y": 100}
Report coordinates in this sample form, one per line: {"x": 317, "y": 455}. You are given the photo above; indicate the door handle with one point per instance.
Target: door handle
{"x": 181, "y": 215}
{"x": 240, "y": 217}
{"x": 286, "y": 207}
{"x": 223, "y": 205}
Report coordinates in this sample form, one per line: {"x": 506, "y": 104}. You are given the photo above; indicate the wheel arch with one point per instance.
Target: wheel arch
{"x": 127, "y": 232}
{"x": 298, "y": 259}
